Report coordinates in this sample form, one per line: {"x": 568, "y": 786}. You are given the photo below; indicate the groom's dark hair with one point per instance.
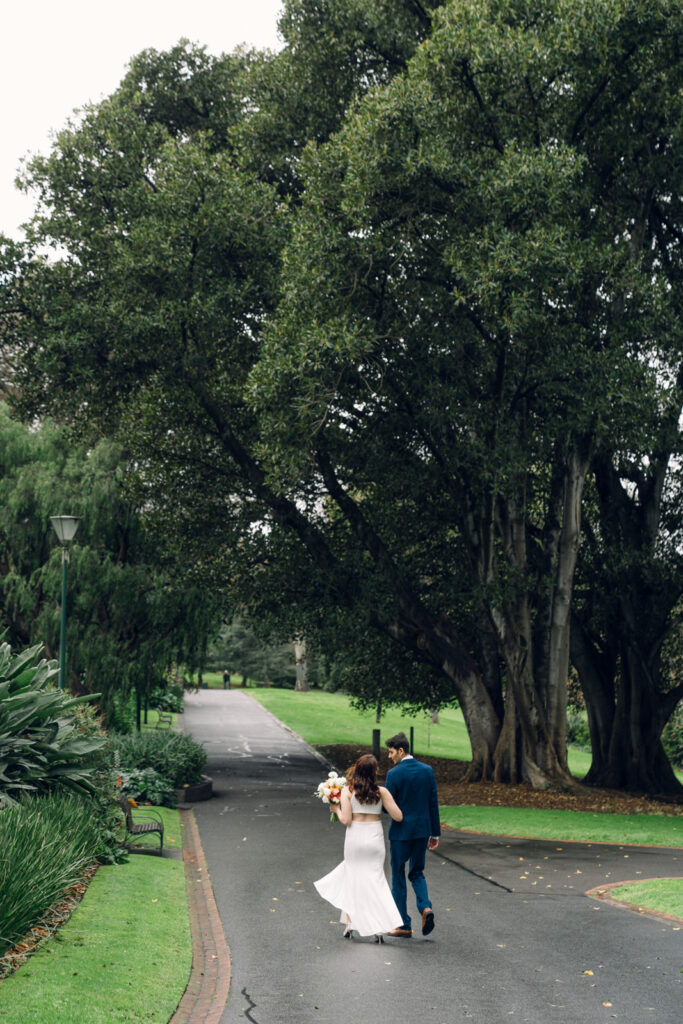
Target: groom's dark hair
{"x": 399, "y": 742}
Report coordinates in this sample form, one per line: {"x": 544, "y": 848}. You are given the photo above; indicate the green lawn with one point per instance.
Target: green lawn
{"x": 662, "y": 894}
{"x": 324, "y": 718}
{"x": 124, "y": 956}
{"x": 566, "y": 826}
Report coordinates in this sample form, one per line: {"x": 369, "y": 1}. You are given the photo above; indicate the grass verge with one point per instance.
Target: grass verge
{"x": 662, "y": 894}
{"x": 124, "y": 956}
{"x": 568, "y": 826}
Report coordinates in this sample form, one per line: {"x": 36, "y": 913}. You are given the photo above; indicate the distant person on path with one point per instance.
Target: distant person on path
{"x": 413, "y": 787}
{"x": 358, "y": 886}
{"x": 226, "y": 679}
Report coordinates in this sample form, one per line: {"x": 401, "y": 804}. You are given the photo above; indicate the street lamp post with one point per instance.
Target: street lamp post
{"x": 65, "y": 527}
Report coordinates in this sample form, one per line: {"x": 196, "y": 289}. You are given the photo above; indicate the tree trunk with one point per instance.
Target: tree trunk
{"x": 558, "y": 662}
{"x": 618, "y": 656}
{"x": 138, "y": 709}
{"x": 301, "y": 659}
{"x": 597, "y": 669}
{"x": 533, "y": 741}
{"x": 630, "y": 754}
{"x": 437, "y": 643}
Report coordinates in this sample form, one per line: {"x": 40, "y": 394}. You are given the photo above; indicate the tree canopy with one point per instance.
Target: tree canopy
{"x": 130, "y": 615}
{"x": 373, "y": 314}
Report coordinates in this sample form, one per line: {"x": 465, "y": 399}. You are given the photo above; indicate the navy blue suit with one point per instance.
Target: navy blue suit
{"x": 413, "y": 787}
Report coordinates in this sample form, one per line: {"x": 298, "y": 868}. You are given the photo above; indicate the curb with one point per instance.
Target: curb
{"x": 207, "y": 990}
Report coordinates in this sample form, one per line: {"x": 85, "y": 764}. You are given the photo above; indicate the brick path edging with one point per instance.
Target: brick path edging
{"x": 206, "y": 994}
{"x": 602, "y": 893}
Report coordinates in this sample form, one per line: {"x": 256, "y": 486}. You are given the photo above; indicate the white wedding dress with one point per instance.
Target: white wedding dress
{"x": 358, "y": 886}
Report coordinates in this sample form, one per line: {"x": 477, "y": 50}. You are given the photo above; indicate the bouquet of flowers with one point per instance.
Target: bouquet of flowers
{"x": 329, "y": 790}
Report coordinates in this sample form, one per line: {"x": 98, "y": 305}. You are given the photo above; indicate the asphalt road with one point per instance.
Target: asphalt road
{"x": 516, "y": 939}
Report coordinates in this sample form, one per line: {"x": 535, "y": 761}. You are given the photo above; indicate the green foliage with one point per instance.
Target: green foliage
{"x": 128, "y": 616}
{"x": 148, "y": 785}
{"x": 364, "y": 338}
{"x": 47, "y": 842}
{"x": 578, "y": 732}
{"x": 176, "y": 757}
{"x": 673, "y": 737}
{"x": 168, "y": 698}
{"x": 121, "y": 717}
{"x": 241, "y": 649}
{"x": 40, "y": 744}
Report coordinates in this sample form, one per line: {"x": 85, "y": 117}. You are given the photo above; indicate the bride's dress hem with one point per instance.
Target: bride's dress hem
{"x": 358, "y": 886}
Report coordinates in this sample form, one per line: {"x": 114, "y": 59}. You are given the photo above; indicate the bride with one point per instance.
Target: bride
{"x": 358, "y": 886}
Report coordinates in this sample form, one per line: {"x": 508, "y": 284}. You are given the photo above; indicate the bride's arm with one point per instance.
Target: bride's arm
{"x": 390, "y": 805}
{"x": 343, "y": 808}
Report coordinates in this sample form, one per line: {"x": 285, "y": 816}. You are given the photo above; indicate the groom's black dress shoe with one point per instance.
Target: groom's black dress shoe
{"x": 401, "y": 933}
{"x": 427, "y": 920}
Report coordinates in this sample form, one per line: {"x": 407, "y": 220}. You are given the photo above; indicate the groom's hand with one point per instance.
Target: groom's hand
{"x": 433, "y": 842}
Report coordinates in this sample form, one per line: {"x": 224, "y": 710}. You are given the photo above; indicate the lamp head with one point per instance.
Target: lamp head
{"x": 65, "y": 527}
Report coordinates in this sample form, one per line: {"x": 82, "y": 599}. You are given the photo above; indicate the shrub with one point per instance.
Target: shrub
{"x": 672, "y": 737}
{"x": 46, "y": 843}
{"x": 169, "y": 698}
{"x": 148, "y": 784}
{"x": 578, "y": 732}
{"x": 175, "y": 756}
{"x": 40, "y": 743}
{"x": 121, "y": 715}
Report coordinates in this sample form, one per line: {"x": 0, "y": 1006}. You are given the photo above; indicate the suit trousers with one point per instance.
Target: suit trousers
{"x": 412, "y": 852}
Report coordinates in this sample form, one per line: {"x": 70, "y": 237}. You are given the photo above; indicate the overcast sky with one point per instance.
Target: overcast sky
{"x": 61, "y": 54}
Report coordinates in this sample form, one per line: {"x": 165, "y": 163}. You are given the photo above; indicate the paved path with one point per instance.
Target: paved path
{"x": 516, "y": 938}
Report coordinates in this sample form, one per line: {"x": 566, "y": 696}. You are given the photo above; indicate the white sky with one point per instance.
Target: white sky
{"x": 58, "y": 55}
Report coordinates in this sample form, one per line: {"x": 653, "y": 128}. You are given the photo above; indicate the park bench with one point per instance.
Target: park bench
{"x": 148, "y": 824}
{"x": 165, "y": 720}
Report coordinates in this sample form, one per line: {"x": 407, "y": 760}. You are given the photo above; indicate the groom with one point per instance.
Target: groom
{"x": 413, "y": 787}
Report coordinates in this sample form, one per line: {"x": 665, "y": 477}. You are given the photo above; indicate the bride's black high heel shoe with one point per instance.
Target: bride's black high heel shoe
{"x": 347, "y": 931}
{"x": 379, "y": 938}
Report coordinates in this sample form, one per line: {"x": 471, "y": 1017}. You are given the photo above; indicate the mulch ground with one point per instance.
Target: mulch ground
{"x": 453, "y": 790}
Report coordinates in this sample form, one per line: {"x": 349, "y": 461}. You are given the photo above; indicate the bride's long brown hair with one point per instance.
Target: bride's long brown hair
{"x": 362, "y": 779}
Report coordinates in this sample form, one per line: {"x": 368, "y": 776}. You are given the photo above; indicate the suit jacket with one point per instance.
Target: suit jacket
{"x": 413, "y": 787}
